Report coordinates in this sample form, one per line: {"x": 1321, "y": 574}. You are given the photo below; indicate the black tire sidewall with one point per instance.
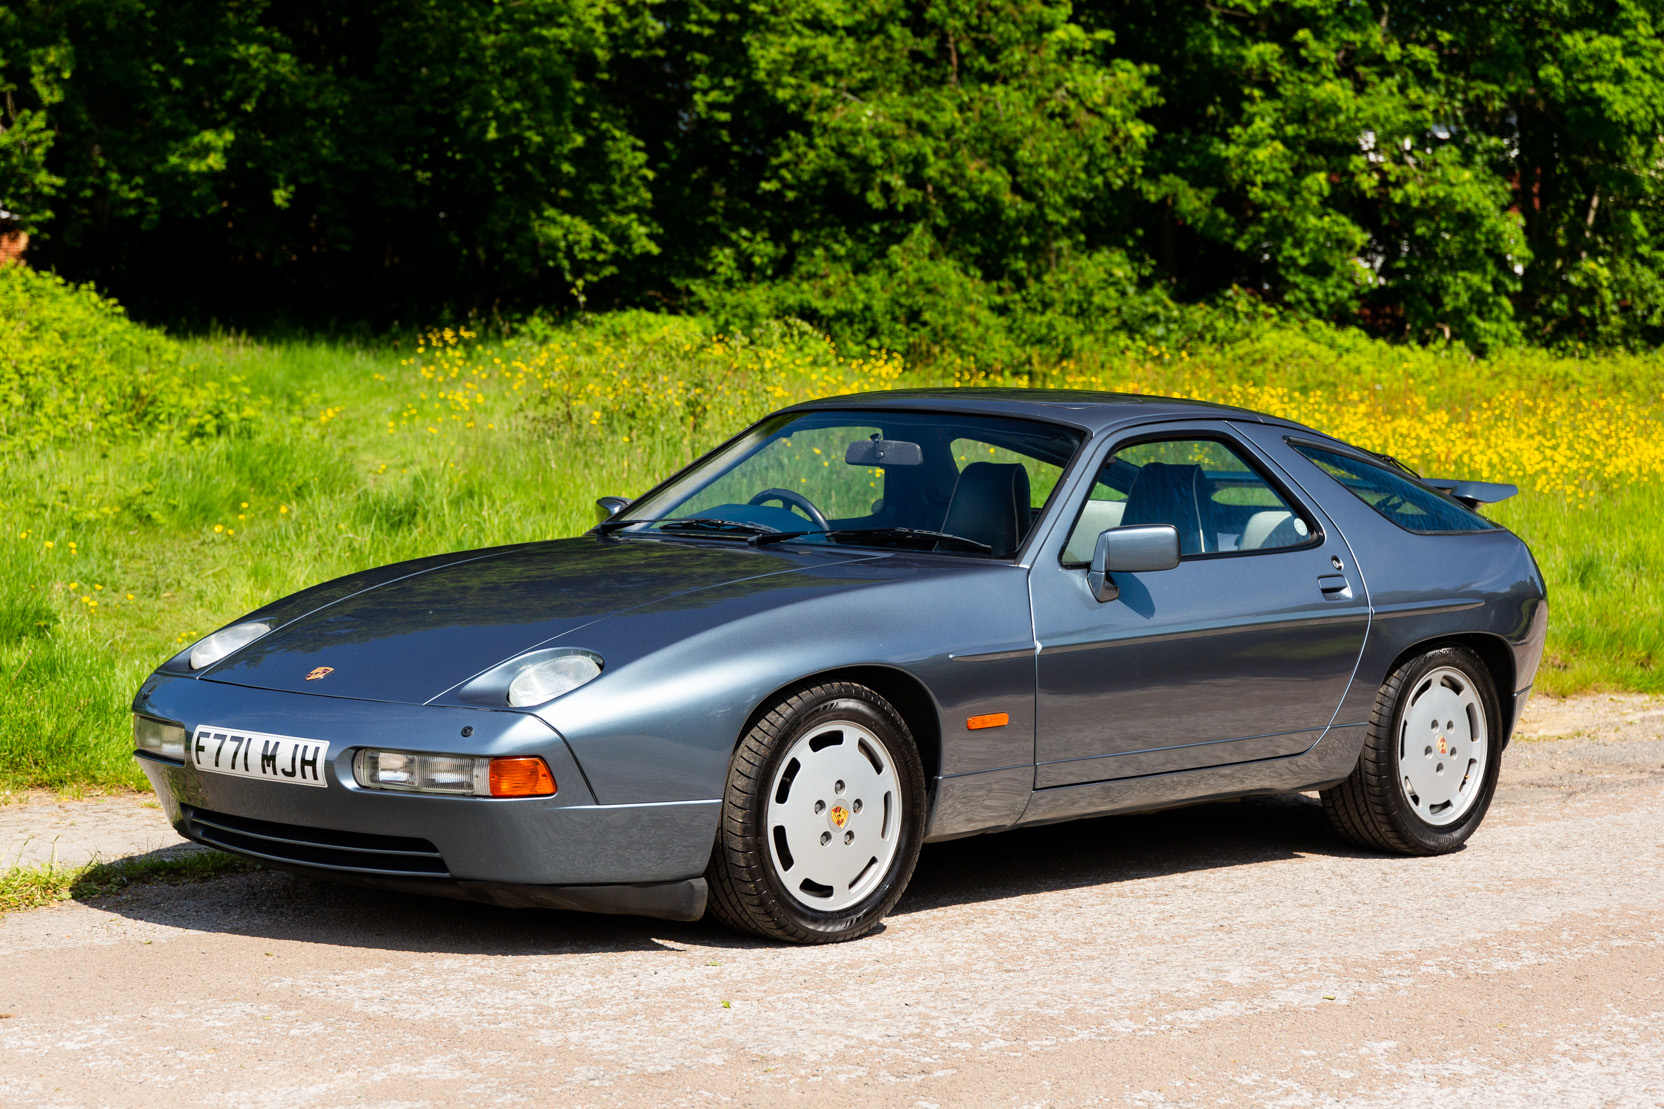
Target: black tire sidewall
{"x": 879, "y": 718}
{"x": 1436, "y": 838}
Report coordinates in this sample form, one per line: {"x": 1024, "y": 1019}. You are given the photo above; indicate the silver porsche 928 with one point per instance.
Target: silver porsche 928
{"x": 864, "y": 624}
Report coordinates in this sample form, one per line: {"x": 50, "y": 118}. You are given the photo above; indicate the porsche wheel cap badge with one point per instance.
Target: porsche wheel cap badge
{"x": 840, "y": 816}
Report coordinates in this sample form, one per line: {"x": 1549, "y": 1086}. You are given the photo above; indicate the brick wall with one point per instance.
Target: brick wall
{"x": 12, "y": 246}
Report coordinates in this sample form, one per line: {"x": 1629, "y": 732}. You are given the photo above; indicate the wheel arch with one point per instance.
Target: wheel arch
{"x": 910, "y": 697}
{"x": 1497, "y": 657}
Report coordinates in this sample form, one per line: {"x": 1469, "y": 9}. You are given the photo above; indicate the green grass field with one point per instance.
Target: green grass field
{"x": 121, "y": 549}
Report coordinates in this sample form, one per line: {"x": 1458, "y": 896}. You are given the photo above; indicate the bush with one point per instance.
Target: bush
{"x": 72, "y": 365}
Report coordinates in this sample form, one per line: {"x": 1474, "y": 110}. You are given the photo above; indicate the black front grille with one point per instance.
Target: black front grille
{"x": 359, "y": 852}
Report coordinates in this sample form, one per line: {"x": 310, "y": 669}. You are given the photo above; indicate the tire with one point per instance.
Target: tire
{"x": 1429, "y": 764}
{"x": 822, "y": 818}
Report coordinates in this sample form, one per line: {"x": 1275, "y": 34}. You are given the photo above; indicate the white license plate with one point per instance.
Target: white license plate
{"x": 275, "y": 758}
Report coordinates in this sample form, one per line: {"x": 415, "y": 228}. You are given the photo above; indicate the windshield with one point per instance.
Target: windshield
{"x": 965, "y": 485}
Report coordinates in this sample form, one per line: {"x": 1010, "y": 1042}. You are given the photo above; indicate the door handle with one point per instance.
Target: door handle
{"x": 1335, "y": 587}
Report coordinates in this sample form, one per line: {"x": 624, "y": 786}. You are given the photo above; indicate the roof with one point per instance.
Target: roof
{"x": 1094, "y": 411}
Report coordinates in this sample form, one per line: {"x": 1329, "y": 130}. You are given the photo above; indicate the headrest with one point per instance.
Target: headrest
{"x": 990, "y": 505}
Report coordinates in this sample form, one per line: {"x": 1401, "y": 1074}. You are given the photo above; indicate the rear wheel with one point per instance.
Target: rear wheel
{"x": 822, "y": 818}
{"x": 1429, "y": 765}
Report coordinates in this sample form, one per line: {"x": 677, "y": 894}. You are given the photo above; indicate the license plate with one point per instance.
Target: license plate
{"x": 275, "y": 758}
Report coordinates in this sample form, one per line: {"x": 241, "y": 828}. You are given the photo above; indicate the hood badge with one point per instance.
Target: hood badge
{"x": 320, "y": 672}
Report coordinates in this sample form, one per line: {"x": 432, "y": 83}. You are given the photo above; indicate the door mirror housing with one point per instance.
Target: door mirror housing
{"x": 608, "y": 507}
{"x": 1134, "y": 549}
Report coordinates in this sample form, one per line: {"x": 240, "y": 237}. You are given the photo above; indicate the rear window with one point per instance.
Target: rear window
{"x": 1407, "y": 503}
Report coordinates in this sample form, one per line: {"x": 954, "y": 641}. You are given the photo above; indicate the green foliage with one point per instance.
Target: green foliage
{"x": 1320, "y": 154}
{"x": 306, "y": 151}
{"x": 33, "y": 69}
{"x": 1006, "y": 181}
{"x": 72, "y": 364}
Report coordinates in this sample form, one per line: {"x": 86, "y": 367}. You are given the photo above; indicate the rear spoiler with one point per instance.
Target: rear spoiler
{"x": 1472, "y": 493}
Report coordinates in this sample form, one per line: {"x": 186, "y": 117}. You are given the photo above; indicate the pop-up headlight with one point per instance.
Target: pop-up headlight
{"x": 549, "y": 677}
{"x": 225, "y": 641}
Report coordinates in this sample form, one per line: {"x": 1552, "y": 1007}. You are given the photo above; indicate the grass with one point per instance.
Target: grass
{"x": 30, "y": 887}
{"x": 120, "y": 550}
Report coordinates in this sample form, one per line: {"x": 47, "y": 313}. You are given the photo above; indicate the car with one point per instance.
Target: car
{"x": 864, "y": 624}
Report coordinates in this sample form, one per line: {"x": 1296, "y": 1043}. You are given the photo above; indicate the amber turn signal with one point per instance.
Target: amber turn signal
{"x": 991, "y": 720}
{"x": 521, "y": 777}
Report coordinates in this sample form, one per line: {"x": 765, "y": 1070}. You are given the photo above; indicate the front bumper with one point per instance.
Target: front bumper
{"x": 494, "y": 849}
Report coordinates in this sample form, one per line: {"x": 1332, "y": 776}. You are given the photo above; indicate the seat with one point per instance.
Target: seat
{"x": 1273, "y": 528}
{"x": 1096, "y": 518}
{"x": 1260, "y": 526}
{"x": 990, "y": 505}
{"x": 1168, "y": 494}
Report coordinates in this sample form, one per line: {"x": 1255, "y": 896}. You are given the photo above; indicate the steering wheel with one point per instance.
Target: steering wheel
{"x": 795, "y": 500}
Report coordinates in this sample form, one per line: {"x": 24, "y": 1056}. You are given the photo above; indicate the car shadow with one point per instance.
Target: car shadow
{"x": 1112, "y": 849}
{"x": 276, "y": 905}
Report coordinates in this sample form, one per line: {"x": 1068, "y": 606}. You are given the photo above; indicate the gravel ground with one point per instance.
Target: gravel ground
{"x": 1223, "y": 955}
{"x": 41, "y": 829}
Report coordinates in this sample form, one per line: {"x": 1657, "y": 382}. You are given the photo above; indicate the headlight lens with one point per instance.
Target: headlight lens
{"x": 156, "y": 737}
{"x": 224, "y": 641}
{"x": 457, "y": 775}
{"x": 550, "y": 677}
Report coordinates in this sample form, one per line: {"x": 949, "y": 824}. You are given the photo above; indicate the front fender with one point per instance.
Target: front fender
{"x": 684, "y": 676}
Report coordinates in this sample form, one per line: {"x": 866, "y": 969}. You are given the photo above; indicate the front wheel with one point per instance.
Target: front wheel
{"x": 1429, "y": 764}
{"x": 822, "y": 818}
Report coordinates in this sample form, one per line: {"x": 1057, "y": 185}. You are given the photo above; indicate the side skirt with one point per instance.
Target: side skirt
{"x": 1325, "y": 763}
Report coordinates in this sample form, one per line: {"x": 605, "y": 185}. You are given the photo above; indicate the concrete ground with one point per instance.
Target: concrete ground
{"x": 1224, "y": 955}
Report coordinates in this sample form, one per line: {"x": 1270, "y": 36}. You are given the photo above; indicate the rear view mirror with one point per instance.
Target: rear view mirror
{"x": 1137, "y": 548}
{"x": 883, "y": 452}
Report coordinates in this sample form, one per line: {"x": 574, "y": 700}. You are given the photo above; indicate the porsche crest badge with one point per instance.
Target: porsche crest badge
{"x": 840, "y": 815}
{"x": 320, "y": 672}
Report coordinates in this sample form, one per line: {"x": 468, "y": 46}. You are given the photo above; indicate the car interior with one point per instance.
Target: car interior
{"x": 1217, "y": 503}
{"x": 982, "y": 479}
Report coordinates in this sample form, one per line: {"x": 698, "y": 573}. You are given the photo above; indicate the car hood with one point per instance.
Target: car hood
{"x": 409, "y": 633}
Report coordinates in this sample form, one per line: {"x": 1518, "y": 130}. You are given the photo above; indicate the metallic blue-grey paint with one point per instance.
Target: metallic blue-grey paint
{"x": 1218, "y": 678}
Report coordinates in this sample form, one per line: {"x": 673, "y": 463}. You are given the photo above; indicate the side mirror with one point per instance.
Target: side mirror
{"x": 608, "y": 507}
{"x": 1134, "y": 549}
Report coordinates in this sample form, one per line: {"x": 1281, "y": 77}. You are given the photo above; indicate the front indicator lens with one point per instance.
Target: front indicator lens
{"x": 545, "y": 680}
{"x": 521, "y": 778}
{"x": 456, "y": 775}
{"x": 225, "y": 641}
{"x": 156, "y": 737}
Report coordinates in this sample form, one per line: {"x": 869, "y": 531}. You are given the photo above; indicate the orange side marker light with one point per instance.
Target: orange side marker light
{"x": 521, "y": 777}
{"x": 991, "y": 720}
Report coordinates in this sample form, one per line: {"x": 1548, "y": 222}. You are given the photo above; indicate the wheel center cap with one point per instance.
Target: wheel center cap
{"x": 839, "y": 816}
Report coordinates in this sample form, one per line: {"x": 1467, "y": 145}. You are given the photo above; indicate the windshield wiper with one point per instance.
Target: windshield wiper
{"x": 692, "y": 523}
{"x": 716, "y": 524}
{"x": 921, "y": 535}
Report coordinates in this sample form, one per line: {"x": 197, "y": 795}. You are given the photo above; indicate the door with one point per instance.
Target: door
{"x": 1243, "y": 651}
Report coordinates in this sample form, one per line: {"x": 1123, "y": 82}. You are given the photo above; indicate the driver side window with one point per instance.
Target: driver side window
{"x": 1203, "y": 487}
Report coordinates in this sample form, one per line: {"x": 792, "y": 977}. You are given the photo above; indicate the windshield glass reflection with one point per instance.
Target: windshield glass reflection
{"x": 955, "y": 484}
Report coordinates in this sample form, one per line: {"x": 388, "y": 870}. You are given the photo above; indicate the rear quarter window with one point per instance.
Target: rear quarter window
{"x": 1396, "y": 497}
